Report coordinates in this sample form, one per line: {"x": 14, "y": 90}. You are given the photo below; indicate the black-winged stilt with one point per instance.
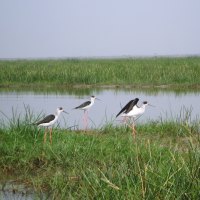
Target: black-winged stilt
{"x": 85, "y": 106}
{"x": 128, "y": 107}
{"x": 48, "y": 121}
{"x": 132, "y": 110}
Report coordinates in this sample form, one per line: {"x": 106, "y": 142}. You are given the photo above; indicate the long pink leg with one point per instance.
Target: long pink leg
{"x": 45, "y": 134}
{"x": 86, "y": 119}
{"x": 124, "y": 120}
{"x": 134, "y": 131}
{"x": 50, "y": 136}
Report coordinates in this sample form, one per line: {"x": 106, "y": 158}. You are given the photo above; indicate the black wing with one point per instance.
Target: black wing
{"x": 83, "y": 105}
{"x": 132, "y": 104}
{"x": 128, "y": 106}
{"x": 46, "y": 119}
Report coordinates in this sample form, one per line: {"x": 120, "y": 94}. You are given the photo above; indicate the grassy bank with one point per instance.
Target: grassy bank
{"x": 161, "y": 163}
{"x": 180, "y": 72}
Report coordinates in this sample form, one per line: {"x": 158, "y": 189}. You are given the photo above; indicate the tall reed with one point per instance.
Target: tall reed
{"x": 133, "y": 71}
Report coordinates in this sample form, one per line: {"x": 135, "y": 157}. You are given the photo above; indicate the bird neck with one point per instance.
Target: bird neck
{"x": 92, "y": 100}
{"x": 143, "y": 106}
{"x": 57, "y": 113}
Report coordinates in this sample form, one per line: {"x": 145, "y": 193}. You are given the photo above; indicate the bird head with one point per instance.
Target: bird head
{"x": 147, "y": 104}
{"x": 93, "y": 98}
{"x": 60, "y": 109}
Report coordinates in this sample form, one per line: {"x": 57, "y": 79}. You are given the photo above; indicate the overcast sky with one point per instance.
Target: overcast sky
{"x": 92, "y": 28}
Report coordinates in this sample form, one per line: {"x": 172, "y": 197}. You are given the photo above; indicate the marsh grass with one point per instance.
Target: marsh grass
{"x": 161, "y": 163}
{"x": 137, "y": 72}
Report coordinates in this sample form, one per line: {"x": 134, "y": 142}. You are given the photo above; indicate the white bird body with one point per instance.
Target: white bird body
{"x": 136, "y": 111}
{"x": 128, "y": 107}
{"x": 47, "y": 124}
{"x": 132, "y": 110}
{"x": 50, "y": 119}
{"x": 86, "y": 105}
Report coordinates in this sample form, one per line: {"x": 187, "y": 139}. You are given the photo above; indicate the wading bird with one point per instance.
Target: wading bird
{"x": 132, "y": 110}
{"x": 49, "y": 121}
{"x": 85, "y": 106}
{"x": 128, "y": 107}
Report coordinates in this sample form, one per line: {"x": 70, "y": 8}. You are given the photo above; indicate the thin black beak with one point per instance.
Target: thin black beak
{"x": 65, "y": 112}
{"x": 151, "y": 105}
{"x": 98, "y": 99}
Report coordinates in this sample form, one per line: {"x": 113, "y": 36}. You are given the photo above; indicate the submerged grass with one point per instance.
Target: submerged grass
{"x": 161, "y": 163}
{"x": 134, "y": 71}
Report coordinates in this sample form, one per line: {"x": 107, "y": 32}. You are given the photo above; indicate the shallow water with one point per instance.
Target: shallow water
{"x": 168, "y": 105}
{"x": 10, "y": 190}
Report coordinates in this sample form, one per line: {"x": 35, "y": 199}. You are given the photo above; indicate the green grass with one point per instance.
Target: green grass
{"x": 161, "y": 163}
{"x": 181, "y": 72}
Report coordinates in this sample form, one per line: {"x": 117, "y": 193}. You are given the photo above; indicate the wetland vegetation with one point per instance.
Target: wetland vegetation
{"x": 161, "y": 163}
{"x": 134, "y": 72}
{"x": 104, "y": 163}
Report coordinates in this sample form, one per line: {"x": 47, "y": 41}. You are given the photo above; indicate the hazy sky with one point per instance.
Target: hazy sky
{"x": 87, "y": 28}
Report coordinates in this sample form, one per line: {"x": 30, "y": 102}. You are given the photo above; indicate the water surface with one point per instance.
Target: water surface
{"x": 168, "y": 105}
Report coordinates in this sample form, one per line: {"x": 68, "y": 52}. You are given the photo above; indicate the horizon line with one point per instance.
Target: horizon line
{"x": 102, "y": 57}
